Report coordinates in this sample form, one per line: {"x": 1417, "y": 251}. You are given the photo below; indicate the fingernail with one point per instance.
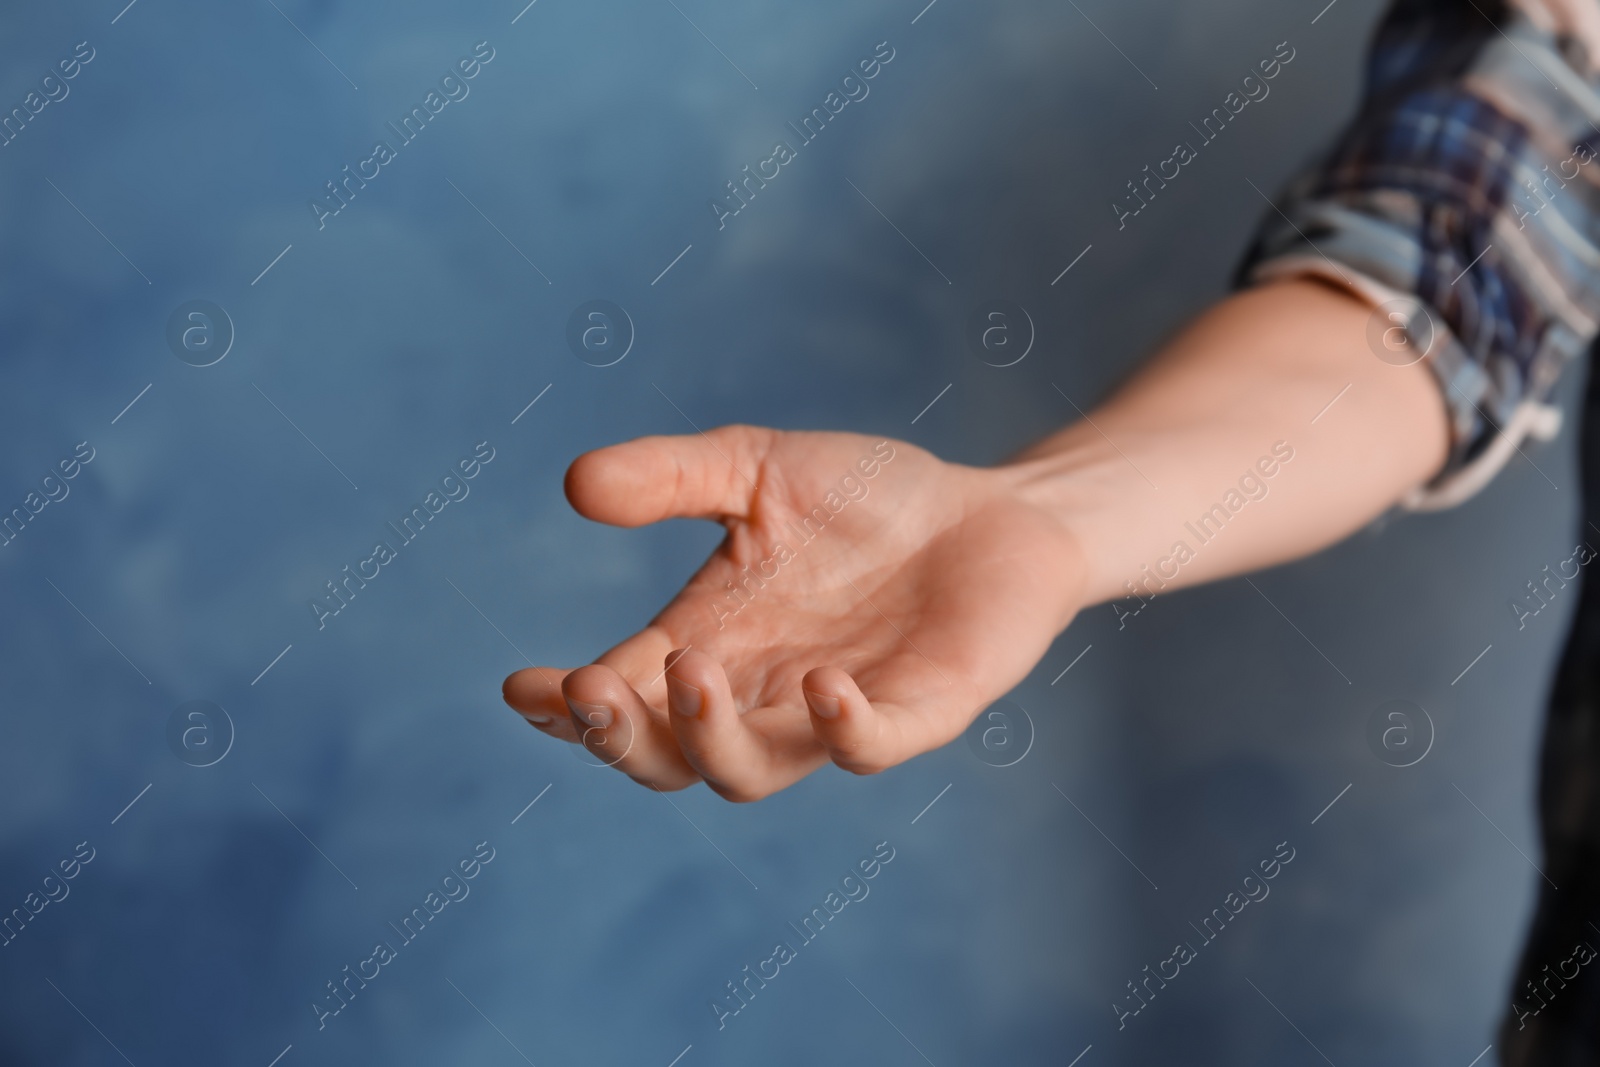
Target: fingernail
{"x": 825, "y": 706}
{"x": 539, "y": 720}
{"x": 684, "y": 698}
{"x": 593, "y": 714}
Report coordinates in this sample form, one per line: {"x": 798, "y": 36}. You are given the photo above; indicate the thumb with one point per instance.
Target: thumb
{"x": 709, "y": 475}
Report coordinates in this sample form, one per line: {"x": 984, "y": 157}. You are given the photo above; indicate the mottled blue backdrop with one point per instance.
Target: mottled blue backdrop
{"x": 376, "y": 347}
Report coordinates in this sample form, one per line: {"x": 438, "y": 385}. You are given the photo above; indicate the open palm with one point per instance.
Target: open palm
{"x": 868, "y": 601}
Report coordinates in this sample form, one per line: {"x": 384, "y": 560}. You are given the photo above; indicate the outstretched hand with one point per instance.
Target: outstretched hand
{"x": 868, "y": 601}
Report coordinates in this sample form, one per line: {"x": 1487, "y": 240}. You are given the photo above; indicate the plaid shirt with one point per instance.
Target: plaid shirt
{"x": 1468, "y": 187}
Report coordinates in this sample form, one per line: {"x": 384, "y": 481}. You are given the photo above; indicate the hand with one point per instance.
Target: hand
{"x": 868, "y": 601}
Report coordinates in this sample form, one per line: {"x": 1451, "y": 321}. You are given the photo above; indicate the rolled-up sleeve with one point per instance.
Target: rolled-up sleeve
{"x": 1463, "y": 205}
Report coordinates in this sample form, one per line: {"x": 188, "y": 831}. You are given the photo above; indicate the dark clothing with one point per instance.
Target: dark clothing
{"x": 1566, "y": 1030}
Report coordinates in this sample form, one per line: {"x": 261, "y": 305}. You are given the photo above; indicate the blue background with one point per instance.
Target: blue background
{"x": 1195, "y": 739}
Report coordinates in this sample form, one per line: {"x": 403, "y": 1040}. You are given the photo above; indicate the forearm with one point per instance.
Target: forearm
{"x": 970, "y": 572}
{"x": 1160, "y": 464}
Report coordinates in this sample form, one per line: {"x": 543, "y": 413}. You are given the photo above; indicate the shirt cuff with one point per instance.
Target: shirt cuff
{"x": 1461, "y": 381}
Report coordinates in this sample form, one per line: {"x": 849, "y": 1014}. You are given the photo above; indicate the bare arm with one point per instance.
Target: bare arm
{"x": 1253, "y": 371}
{"x": 870, "y": 599}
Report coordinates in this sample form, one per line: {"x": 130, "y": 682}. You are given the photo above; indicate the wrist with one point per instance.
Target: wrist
{"x": 1075, "y": 487}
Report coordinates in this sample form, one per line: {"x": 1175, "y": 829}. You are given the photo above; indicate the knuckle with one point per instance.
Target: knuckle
{"x": 862, "y": 765}
{"x": 737, "y": 794}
